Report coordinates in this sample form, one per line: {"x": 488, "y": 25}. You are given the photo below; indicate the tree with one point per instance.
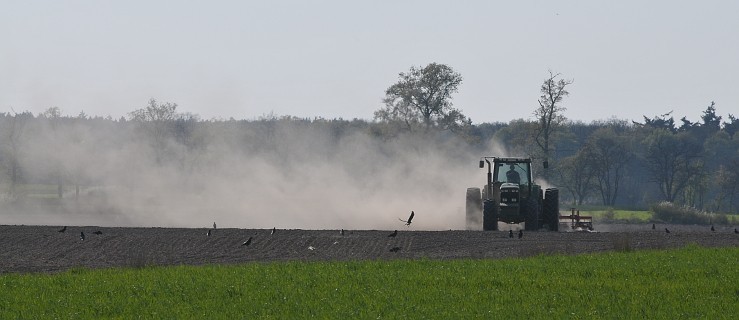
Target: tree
{"x": 673, "y": 160}
{"x": 53, "y": 115}
{"x": 660, "y": 122}
{"x": 422, "y": 97}
{"x": 607, "y": 154}
{"x": 549, "y": 114}
{"x": 158, "y": 121}
{"x": 711, "y": 122}
{"x": 14, "y": 149}
{"x": 732, "y": 126}
{"x": 576, "y": 176}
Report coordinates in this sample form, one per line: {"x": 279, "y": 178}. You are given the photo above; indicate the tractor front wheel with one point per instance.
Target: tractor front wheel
{"x": 489, "y": 215}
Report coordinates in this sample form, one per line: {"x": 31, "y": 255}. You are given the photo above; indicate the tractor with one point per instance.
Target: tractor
{"x": 511, "y": 196}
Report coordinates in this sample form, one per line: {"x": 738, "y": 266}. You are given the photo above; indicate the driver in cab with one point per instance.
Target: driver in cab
{"x": 512, "y": 175}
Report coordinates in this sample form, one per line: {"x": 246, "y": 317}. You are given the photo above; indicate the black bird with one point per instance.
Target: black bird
{"x": 63, "y": 229}
{"x": 341, "y": 232}
{"x": 392, "y": 235}
{"x": 395, "y": 249}
{"x": 82, "y": 236}
{"x": 654, "y": 226}
{"x": 713, "y": 229}
{"x": 736, "y": 231}
{"x": 274, "y": 229}
{"x": 410, "y": 219}
{"x": 520, "y": 234}
{"x": 247, "y": 242}
{"x": 510, "y": 233}
{"x": 97, "y": 232}
{"x": 208, "y": 234}
{"x": 667, "y": 230}
{"x": 214, "y": 225}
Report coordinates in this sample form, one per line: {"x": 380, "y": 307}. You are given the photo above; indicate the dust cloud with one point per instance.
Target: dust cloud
{"x": 283, "y": 175}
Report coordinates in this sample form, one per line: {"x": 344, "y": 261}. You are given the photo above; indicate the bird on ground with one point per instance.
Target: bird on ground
{"x": 713, "y": 229}
{"x": 392, "y": 235}
{"x": 667, "y": 230}
{"x": 63, "y": 229}
{"x": 341, "y": 232}
{"x": 214, "y": 225}
{"x": 736, "y": 231}
{"x": 410, "y": 219}
{"x": 82, "y": 236}
{"x": 520, "y": 234}
{"x": 274, "y": 229}
{"x": 654, "y": 226}
{"x": 208, "y": 234}
{"x": 395, "y": 249}
{"x": 311, "y": 248}
{"x": 510, "y": 233}
{"x": 247, "y": 242}
{"x": 97, "y": 232}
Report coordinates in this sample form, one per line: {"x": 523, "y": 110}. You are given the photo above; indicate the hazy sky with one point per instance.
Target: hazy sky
{"x": 245, "y": 59}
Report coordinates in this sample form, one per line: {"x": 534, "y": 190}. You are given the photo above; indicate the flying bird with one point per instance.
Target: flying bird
{"x": 520, "y": 234}
{"x": 274, "y": 229}
{"x": 667, "y": 230}
{"x": 713, "y": 229}
{"x": 654, "y": 226}
{"x": 208, "y": 234}
{"x": 392, "y": 235}
{"x": 82, "y": 236}
{"x": 97, "y": 232}
{"x": 247, "y": 242}
{"x": 410, "y": 219}
{"x": 395, "y": 249}
{"x": 510, "y": 233}
{"x": 63, "y": 229}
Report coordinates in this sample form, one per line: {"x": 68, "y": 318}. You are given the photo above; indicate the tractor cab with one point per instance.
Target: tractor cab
{"x": 514, "y": 177}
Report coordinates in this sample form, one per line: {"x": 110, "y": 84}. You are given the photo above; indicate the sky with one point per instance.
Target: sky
{"x": 335, "y": 59}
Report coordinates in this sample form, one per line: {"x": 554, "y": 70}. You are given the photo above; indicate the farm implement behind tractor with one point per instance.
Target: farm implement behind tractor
{"x": 578, "y": 222}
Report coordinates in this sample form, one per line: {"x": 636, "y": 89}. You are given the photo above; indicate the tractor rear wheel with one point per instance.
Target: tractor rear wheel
{"x": 489, "y": 216}
{"x": 531, "y": 209}
{"x": 551, "y": 208}
{"x": 473, "y": 208}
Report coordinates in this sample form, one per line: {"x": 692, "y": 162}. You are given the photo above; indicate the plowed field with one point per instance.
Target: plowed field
{"x": 45, "y": 249}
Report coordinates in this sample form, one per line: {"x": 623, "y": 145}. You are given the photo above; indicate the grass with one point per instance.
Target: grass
{"x": 691, "y": 282}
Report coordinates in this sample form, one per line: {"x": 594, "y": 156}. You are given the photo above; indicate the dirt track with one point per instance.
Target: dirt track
{"x": 44, "y": 249}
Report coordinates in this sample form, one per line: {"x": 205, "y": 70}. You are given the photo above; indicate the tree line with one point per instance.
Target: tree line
{"x": 615, "y": 163}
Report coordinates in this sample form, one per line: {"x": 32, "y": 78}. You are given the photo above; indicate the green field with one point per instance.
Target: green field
{"x": 692, "y": 282}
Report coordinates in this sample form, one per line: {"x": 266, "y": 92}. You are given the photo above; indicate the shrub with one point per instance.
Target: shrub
{"x": 671, "y": 213}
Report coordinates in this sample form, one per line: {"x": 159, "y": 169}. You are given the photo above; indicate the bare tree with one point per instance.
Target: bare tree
{"x": 423, "y": 97}
{"x": 549, "y": 113}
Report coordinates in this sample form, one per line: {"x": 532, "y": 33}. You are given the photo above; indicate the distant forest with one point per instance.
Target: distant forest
{"x": 615, "y": 163}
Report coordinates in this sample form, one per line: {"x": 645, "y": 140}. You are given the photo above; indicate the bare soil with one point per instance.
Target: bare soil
{"x": 44, "y": 249}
